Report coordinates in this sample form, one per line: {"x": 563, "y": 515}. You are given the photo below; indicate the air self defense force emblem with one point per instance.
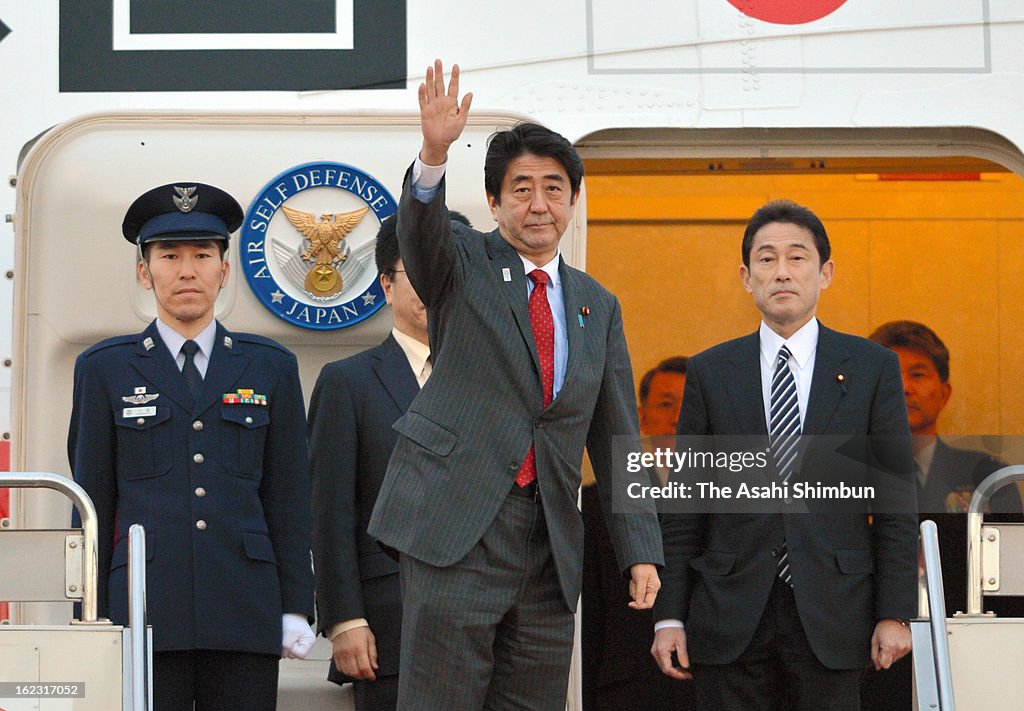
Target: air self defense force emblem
{"x": 315, "y": 272}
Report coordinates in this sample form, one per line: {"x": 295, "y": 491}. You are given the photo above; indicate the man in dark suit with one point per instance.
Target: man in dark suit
{"x": 946, "y": 479}
{"x": 198, "y": 433}
{"x": 784, "y": 607}
{"x": 480, "y": 494}
{"x": 355, "y": 403}
{"x": 618, "y": 672}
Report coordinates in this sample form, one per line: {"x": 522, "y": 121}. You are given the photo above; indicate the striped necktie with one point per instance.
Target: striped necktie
{"x": 784, "y": 435}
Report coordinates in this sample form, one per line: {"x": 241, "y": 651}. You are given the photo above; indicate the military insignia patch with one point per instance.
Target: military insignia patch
{"x": 244, "y": 396}
{"x": 140, "y": 398}
{"x": 310, "y": 261}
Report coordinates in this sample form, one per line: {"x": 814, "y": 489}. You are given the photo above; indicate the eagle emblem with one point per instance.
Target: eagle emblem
{"x": 186, "y": 198}
{"x": 326, "y": 248}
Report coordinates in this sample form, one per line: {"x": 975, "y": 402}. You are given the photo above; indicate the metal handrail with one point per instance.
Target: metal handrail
{"x": 137, "y": 616}
{"x": 937, "y": 619}
{"x": 975, "y": 513}
{"x": 90, "y": 532}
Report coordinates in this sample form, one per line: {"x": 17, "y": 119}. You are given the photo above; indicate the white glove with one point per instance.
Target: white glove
{"x": 297, "y": 636}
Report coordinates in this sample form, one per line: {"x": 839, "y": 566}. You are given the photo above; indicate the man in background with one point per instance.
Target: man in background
{"x": 618, "y": 672}
{"x": 946, "y": 479}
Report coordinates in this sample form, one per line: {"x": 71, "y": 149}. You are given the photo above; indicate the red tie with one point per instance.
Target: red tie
{"x": 544, "y": 335}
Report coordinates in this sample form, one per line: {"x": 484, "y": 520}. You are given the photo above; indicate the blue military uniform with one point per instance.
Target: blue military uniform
{"x": 214, "y": 467}
{"x": 221, "y": 486}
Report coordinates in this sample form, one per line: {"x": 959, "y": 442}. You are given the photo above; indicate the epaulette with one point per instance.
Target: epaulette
{"x": 259, "y": 340}
{"x": 110, "y": 343}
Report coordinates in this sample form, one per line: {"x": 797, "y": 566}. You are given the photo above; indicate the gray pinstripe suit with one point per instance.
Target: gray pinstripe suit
{"x": 464, "y": 437}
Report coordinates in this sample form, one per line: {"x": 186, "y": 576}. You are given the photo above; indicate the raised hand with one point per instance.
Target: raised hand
{"x": 442, "y": 117}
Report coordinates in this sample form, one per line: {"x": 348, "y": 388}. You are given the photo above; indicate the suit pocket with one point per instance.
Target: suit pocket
{"x": 427, "y": 433}
{"x": 119, "y": 557}
{"x": 142, "y": 450}
{"x": 377, "y": 565}
{"x": 245, "y": 433}
{"x": 856, "y": 561}
{"x": 714, "y": 563}
{"x": 258, "y": 546}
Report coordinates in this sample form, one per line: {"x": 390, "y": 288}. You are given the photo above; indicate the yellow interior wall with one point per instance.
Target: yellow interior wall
{"x": 947, "y": 253}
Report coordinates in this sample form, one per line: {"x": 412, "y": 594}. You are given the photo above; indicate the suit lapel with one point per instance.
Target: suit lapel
{"x": 573, "y": 298}
{"x": 157, "y": 366}
{"x": 392, "y": 369}
{"x": 826, "y": 390}
{"x": 510, "y": 279}
{"x": 743, "y": 380}
{"x": 227, "y": 363}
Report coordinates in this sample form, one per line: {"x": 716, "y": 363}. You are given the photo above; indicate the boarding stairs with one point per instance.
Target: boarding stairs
{"x": 972, "y": 661}
{"x": 88, "y": 664}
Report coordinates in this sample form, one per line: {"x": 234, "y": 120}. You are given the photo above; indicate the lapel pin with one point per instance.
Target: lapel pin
{"x": 506, "y": 274}
{"x": 148, "y": 344}
{"x": 228, "y": 343}
{"x": 841, "y": 379}
{"x": 584, "y": 311}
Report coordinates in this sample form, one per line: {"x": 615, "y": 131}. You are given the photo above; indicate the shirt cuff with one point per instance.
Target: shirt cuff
{"x": 345, "y": 626}
{"x": 426, "y": 179}
{"x": 670, "y": 622}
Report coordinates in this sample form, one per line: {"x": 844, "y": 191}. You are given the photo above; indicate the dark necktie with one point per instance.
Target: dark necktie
{"x": 543, "y": 326}
{"x": 192, "y": 377}
{"x": 784, "y": 435}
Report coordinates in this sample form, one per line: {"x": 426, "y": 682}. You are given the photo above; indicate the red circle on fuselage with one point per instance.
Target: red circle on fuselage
{"x": 787, "y": 12}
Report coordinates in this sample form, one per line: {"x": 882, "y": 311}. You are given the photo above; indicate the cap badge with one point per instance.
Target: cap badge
{"x": 186, "y": 198}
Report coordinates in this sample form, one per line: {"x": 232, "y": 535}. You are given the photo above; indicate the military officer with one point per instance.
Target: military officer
{"x": 198, "y": 434}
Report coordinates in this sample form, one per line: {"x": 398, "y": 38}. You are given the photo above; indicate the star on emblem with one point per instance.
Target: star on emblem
{"x": 277, "y": 296}
{"x": 368, "y": 299}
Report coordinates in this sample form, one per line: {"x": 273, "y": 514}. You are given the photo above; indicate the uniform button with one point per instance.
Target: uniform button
{"x": 540, "y": 425}
{"x": 140, "y": 421}
{"x": 197, "y": 426}
{"x": 775, "y": 552}
{"x": 200, "y": 492}
{"x": 201, "y": 525}
{"x": 513, "y": 466}
{"x": 248, "y": 420}
{"x": 199, "y": 459}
